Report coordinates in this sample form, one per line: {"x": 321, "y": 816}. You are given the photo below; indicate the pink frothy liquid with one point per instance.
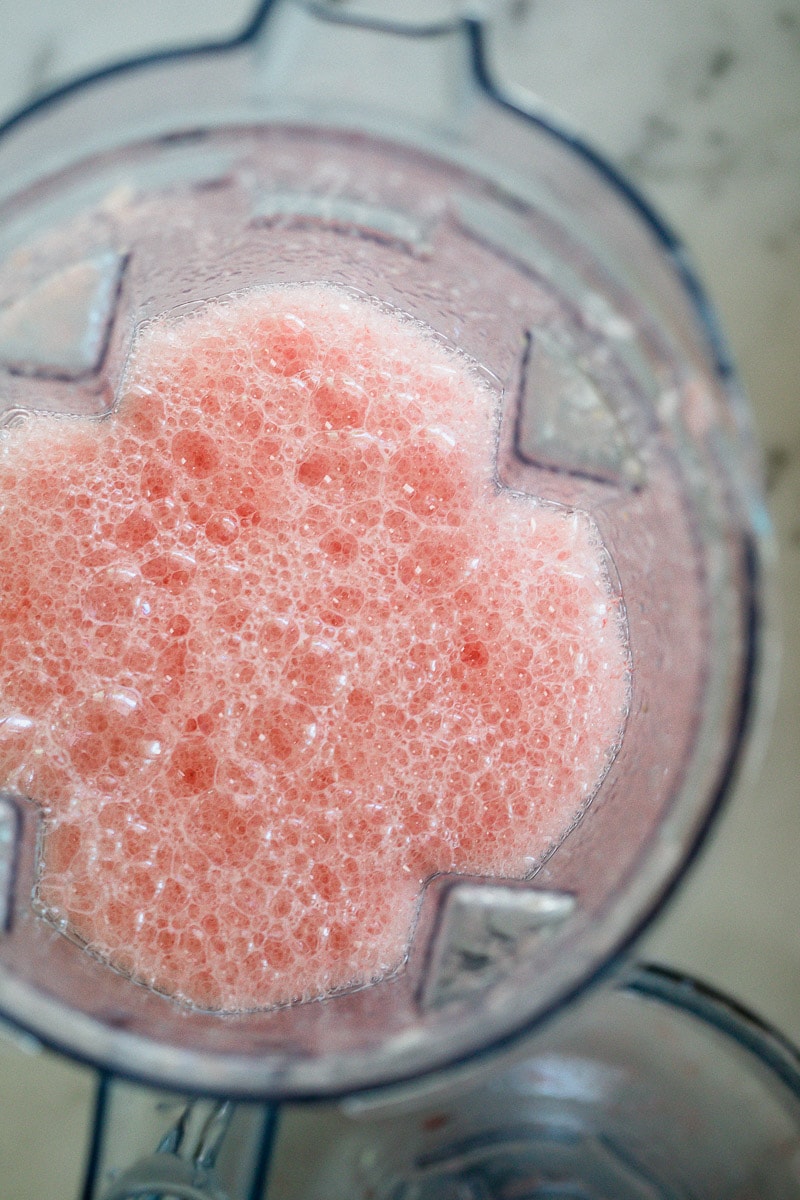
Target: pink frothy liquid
{"x": 276, "y": 649}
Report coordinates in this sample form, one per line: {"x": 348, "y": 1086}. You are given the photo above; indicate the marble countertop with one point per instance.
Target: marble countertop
{"x": 699, "y": 103}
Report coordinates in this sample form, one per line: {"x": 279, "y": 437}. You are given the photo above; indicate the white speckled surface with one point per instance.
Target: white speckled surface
{"x": 700, "y": 103}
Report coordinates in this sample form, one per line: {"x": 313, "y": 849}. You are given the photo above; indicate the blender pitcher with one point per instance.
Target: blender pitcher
{"x": 325, "y": 145}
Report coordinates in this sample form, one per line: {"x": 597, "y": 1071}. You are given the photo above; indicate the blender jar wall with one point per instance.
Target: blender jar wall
{"x": 566, "y": 270}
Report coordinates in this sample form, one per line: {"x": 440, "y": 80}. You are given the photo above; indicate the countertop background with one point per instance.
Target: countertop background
{"x": 698, "y": 101}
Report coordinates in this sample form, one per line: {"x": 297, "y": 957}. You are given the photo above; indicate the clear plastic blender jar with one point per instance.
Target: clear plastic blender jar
{"x": 305, "y": 151}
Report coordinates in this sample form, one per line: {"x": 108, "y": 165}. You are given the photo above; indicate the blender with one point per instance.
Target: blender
{"x": 185, "y": 176}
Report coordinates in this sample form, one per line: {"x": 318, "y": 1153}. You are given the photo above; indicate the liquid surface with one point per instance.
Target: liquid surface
{"x": 276, "y": 649}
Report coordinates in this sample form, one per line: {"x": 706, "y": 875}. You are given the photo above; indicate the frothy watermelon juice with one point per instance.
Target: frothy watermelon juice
{"x": 277, "y": 648}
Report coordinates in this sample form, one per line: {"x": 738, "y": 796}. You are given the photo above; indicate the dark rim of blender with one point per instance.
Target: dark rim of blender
{"x": 752, "y": 574}
{"x": 475, "y": 31}
{"x": 657, "y": 982}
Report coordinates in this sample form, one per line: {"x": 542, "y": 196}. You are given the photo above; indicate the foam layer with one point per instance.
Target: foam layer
{"x": 275, "y": 649}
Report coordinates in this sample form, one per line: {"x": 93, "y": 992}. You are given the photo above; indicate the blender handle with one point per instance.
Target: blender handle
{"x": 205, "y": 1149}
{"x": 165, "y": 1175}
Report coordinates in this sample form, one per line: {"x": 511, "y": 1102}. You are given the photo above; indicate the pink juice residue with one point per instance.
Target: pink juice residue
{"x": 276, "y": 649}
